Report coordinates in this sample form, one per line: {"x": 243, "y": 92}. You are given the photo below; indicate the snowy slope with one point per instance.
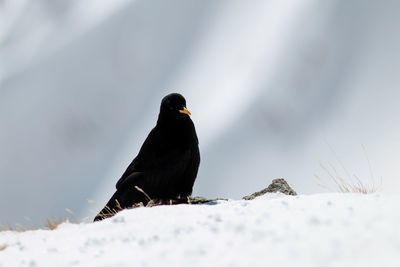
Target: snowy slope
{"x": 274, "y": 230}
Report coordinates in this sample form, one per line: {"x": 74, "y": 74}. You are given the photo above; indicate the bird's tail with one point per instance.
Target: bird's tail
{"x": 112, "y": 207}
{"x": 123, "y": 199}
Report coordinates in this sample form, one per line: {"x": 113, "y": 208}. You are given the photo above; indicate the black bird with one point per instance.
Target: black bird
{"x": 167, "y": 163}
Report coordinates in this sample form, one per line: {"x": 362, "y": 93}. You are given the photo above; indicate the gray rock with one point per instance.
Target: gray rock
{"x": 278, "y": 185}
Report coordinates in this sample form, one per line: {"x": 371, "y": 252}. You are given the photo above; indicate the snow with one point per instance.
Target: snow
{"x": 328, "y": 229}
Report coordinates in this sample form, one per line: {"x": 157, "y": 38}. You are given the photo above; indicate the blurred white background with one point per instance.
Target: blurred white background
{"x": 266, "y": 81}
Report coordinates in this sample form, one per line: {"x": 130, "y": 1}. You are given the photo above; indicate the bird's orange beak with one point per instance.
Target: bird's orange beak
{"x": 185, "y": 111}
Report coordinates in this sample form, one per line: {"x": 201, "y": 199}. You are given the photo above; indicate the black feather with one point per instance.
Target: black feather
{"x": 167, "y": 163}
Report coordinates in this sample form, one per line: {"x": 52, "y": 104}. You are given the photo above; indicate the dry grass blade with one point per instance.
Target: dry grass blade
{"x": 6, "y": 228}
{"x": 369, "y": 165}
{"x": 337, "y": 157}
{"x": 20, "y": 227}
{"x": 351, "y": 184}
{"x": 144, "y": 193}
{"x": 74, "y": 217}
{"x": 53, "y": 224}
{"x": 3, "y": 247}
{"x": 109, "y": 212}
{"x": 86, "y": 219}
{"x": 118, "y": 205}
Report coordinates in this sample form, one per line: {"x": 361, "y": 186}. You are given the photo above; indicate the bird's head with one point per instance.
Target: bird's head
{"x": 173, "y": 106}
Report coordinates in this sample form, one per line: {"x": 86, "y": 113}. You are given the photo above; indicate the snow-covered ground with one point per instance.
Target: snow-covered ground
{"x": 329, "y": 229}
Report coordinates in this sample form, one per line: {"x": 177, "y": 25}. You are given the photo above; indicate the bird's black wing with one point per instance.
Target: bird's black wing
{"x": 138, "y": 163}
{"x": 160, "y": 180}
{"x": 128, "y": 171}
{"x": 186, "y": 186}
